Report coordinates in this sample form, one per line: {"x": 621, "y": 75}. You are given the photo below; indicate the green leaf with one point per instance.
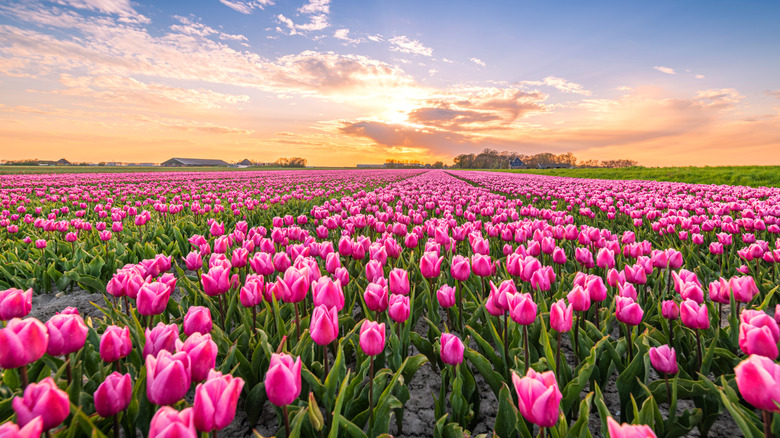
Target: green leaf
{"x": 507, "y": 416}
{"x": 580, "y": 427}
{"x": 485, "y": 369}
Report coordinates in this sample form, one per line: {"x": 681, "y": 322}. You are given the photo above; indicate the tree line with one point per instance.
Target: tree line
{"x": 291, "y": 162}
{"x": 493, "y": 159}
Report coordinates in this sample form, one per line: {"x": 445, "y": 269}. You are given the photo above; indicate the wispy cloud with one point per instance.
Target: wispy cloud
{"x": 246, "y": 7}
{"x": 478, "y": 61}
{"x": 559, "y": 84}
{"x": 667, "y": 70}
{"x": 343, "y": 34}
{"x": 121, "y": 8}
{"x": 316, "y": 10}
{"x": 404, "y": 44}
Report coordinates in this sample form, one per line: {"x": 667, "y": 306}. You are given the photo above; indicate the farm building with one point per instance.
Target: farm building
{"x": 245, "y": 162}
{"x": 60, "y": 162}
{"x": 192, "y": 162}
{"x": 517, "y": 163}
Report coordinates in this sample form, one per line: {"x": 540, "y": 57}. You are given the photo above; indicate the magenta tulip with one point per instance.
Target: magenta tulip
{"x": 430, "y": 265}
{"x": 67, "y": 334}
{"x": 22, "y": 342}
{"x": 324, "y": 327}
{"x": 561, "y": 316}
{"x": 628, "y": 311}
{"x": 522, "y": 308}
{"x": 327, "y": 292}
{"x": 758, "y": 334}
{"x": 399, "y": 281}
{"x": 446, "y": 296}
{"x": 743, "y": 288}
{"x": 694, "y": 316}
{"x": 197, "y": 320}
{"x": 170, "y": 423}
{"x": 161, "y": 337}
{"x": 43, "y": 399}
{"x": 216, "y": 281}
{"x": 193, "y": 261}
{"x": 32, "y": 429}
{"x": 451, "y": 349}
{"x": 202, "y": 351}
{"x": 167, "y": 377}
{"x": 579, "y": 299}
{"x": 626, "y": 430}
{"x": 398, "y": 308}
{"x": 670, "y": 310}
{"x": 663, "y": 359}
{"x": 460, "y": 268}
{"x": 115, "y": 343}
{"x": 376, "y": 297}
{"x": 283, "y": 379}
{"x": 297, "y": 281}
{"x": 758, "y": 380}
{"x": 15, "y": 303}
{"x": 215, "y": 401}
{"x": 538, "y": 397}
{"x": 372, "y": 337}
{"x": 153, "y": 298}
{"x": 113, "y": 395}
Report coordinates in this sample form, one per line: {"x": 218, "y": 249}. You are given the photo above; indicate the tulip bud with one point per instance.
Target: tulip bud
{"x": 399, "y": 281}
{"x": 579, "y": 298}
{"x": 446, "y": 296}
{"x": 451, "y": 349}
{"x": 460, "y": 268}
{"x": 376, "y": 297}
{"x": 283, "y": 379}
{"x": 197, "y": 320}
{"x": 67, "y": 334}
{"x": 522, "y": 308}
{"x": 15, "y": 303}
{"x": 216, "y": 400}
{"x": 538, "y": 397}
{"x": 626, "y": 430}
{"x": 663, "y": 359}
{"x": 202, "y": 352}
{"x": 398, "y": 308}
{"x": 167, "y": 377}
{"x": 169, "y": 423}
{"x": 22, "y": 341}
{"x": 113, "y": 395}
{"x": 694, "y": 316}
{"x": 758, "y": 380}
{"x": 43, "y": 399}
{"x": 32, "y": 429}
{"x": 324, "y": 327}
{"x": 372, "y": 337}
{"x": 628, "y": 311}
{"x": 430, "y": 265}
{"x": 161, "y": 337}
{"x": 561, "y": 316}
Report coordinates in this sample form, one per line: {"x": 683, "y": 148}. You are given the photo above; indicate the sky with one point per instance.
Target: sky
{"x": 345, "y": 82}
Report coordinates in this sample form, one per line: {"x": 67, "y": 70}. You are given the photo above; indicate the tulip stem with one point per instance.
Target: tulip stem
{"x": 576, "y": 340}
{"x": 698, "y": 346}
{"x": 286, "y": 421}
{"x": 297, "y": 323}
{"x": 116, "y": 426}
{"x": 127, "y": 305}
{"x": 527, "y": 353}
{"x": 671, "y": 334}
{"x": 254, "y": 319}
{"x": 460, "y": 308}
{"x": 68, "y": 371}
{"x": 669, "y": 395}
{"x": 630, "y": 331}
{"x": 558, "y": 357}
{"x": 23, "y": 374}
{"x": 325, "y": 361}
{"x": 371, "y": 396}
{"x": 767, "y": 424}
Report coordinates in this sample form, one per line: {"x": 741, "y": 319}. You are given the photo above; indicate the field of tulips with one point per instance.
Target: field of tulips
{"x": 387, "y": 303}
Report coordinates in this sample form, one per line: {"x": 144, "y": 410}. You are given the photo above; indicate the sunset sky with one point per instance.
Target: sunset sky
{"x": 345, "y": 82}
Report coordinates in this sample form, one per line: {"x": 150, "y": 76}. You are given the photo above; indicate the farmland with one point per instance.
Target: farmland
{"x": 413, "y": 302}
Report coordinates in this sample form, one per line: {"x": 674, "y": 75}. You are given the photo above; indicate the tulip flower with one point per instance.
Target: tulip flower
{"x": 324, "y": 327}
{"x": 262, "y": 264}
{"x": 45, "y": 400}
{"x": 115, "y": 343}
{"x": 327, "y": 292}
{"x": 202, "y": 352}
{"x": 399, "y": 281}
{"x": 522, "y": 309}
{"x": 626, "y": 430}
{"x": 197, "y": 320}
{"x": 216, "y": 281}
{"x": 451, "y": 349}
{"x": 538, "y": 397}
{"x": 167, "y": 377}
{"x": 758, "y": 334}
{"x": 113, "y": 395}
{"x": 697, "y": 318}
{"x": 161, "y": 337}
{"x": 758, "y": 380}
{"x": 215, "y": 401}
{"x": 67, "y": 334}
{"x": 153, "y": 298}
{"x": 170, "y": 423}
{"x": 32, "y": 429}
{"x": 398, "y": 308}
{"x": 446, "y": 296}
{"x": 372, "y": 342}
{"x": 374, "y": 270}
{"x": 15, "y": 303}
{"x": 283, "y": 382}
{"x": 743, "y": 288}
{"x": 663, "y": 359}
{"x": 376, "y": 297}
{"x": 460, "y": 268}
{"x": 430, "y": 265}
{"x": 193, "y": 261}
{"x": 22, "y": 342}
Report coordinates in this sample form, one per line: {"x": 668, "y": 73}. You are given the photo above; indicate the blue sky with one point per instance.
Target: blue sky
{"x": 659, "y": 82}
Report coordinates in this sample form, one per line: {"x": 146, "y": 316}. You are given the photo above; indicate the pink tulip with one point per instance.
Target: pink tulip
{"x": 113, "y": 395}
{"x": 430, "y": 265}
{"x": 161, "y": 337}
{"x": 559, "y": 256}
{"x": 376, "y": 297}
{"x": 197, "y": 320}
{"x": 297, "y": 281}
{"x": 579, "y": 298}
{"x": 451, "y": 349}
{"x": 372, "y": 337}
{"x": 628, "y": 311}
{"x": 446, "y": 296}
{"x": 170, "y": 423}
{"x": 670, "y": 310}
{"x": 251, "y": 293}
{"x": 627, "y": 290}
{"x": 202, "y": 351}
{"x": 22, "y": 342}
{"x": 720, "y": 291}
{"x": 694, "y": 316}
{"x": 561, "y": 316}
{"x": 262, "y": 263}
{"x": 615, "y": 278}
{"x": 635, "y": 274}
{"x": 342, "y": 274}
{"x": 15, "y": 303}
{"x": 399, "y": 281}
{"x": 32, "y": 429}
{"x": 216, "y": 229}
{"x": 327, "y": 292}
{"x": 493, "y": 304}
{"x": 596, "y": 288}
{"x": 215, "y": 401}
{"x": 216, "y": 281}
{"x": 758, "y": 333}
{"x": 239, "y": 257}
{"x": 605, "y": 259}
{"x": 538, "y": 397}
{"x": 193, "y": 261}
{"x": 626, "y": 430}
{"x": 324, "y": 327}
{"x": 283, "y": 379}
{"x": 743, "y": 288}
{"x": 691, "y": 291}
{"x": 167, "y": 377}
{"x": 398, "y": 308}
{"x": 664, "y": 359}
{"x": 758, "y": 380}
{"x": 115, "y": 343}
{"x": 481, "y": 265}
{"x": 67, "y": 334}
{"x": 43, "y": 399}
{"x": 522, "y": 308}
{"x": 460, "y": 268}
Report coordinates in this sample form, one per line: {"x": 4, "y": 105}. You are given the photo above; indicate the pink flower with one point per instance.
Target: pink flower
{"x": 15, "y": 303}
{"x": 451, "y": 349}
{"x": 153, "y": 298}
{"x": 758, "y": 380}
{"x": 169, "y": 423}
{"x": 297, "y": 281}
{"x": 327, "y": 292}
{"x": 398, "y": 308}
{"x": 446, "y": 296}
{"x": 579, "y": 298}
{"x": 23, "y": 342}
{"x": 216, "y": 281}
{"x": 743, "y": 288}
{"x": 561, "y": 316}
{"x": 45, "y": 400}
{"x": 628, "y": 311}
{"x": 251, "y": 293}
{"x": 430, "y": 265}
{"x": 324, "y": 327}
{"x": 161, "y": 337}
{"x": 202, "y": 352}
{"x": 758, "y": 334}
{"x": 372, "y": 338}
{"x": 663, "y": 359}
{"x": 215, "y": 401}
{"x": 376, "y": 297}
{"x": 522, "y": 308}
{"x": 113, "y": 395}
{"x": 67, "y": 334}
{"x": 283, "y": 379}
{"x": 167, "y": 378}
{"x": 538, "y": 397}
{"x": 670, "y": 310}
{"x": 115, "y": 343}
{"x": 399, "y": 281}
{"x": 694, "y": 316}
{"x": 628, "y": 430}
{"x": 32, "y": 429}
{"x": 720, "y": 291}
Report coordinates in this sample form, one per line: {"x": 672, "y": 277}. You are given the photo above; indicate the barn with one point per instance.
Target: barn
{"x": 193, "y": 162}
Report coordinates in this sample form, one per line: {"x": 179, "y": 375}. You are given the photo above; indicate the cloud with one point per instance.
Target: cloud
{"x": 121, "y": 8}
{"x": 405, "y": 45}
{"x": 699, "y": 76}
{"x": 196, "y": 28}
{"x": 343, "y": 34}
{"x": 317, "y": 10}
{"x": 559, "y": 84}
{"x": 722, "y": 98}
{"x": 775, "y": 93}
{"x": 478, "y": 61}
{"x": 246, "y": 7}
{"x": 667, "y": 70}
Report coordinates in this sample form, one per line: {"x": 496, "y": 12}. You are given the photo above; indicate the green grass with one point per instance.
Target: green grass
{"x": 135, "y": 169}
{"x": 753, "y": 176}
